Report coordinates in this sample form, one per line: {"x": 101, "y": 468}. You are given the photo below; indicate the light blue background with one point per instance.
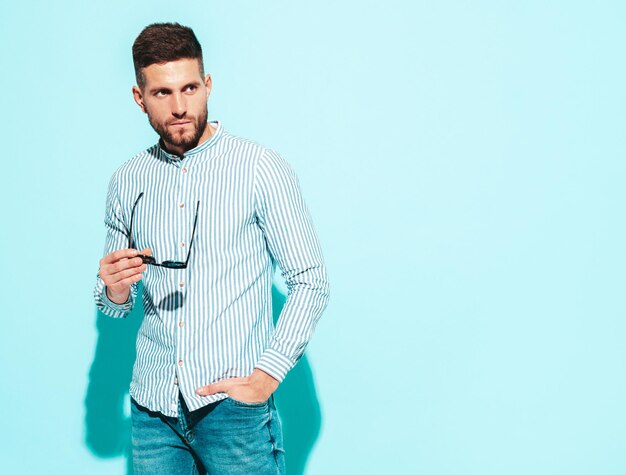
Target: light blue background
{"x": 464, "y": 165}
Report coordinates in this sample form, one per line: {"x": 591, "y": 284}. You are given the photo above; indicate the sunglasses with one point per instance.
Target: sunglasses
{"x": 151, "y": 260}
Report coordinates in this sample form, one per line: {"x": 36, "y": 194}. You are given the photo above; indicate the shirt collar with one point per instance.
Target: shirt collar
{"x": 197, "y": 151}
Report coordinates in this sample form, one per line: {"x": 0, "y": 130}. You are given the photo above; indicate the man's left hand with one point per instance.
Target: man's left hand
{"x": 257, "y": 387}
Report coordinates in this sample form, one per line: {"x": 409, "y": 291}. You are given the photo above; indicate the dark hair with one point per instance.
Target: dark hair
{"x": 163, "y": 42}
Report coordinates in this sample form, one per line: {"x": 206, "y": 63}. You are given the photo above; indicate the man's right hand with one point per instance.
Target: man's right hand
{"x": 120, "y": 269}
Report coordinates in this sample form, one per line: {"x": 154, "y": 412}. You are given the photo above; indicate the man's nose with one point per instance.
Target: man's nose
{"x": 179, "y": 105}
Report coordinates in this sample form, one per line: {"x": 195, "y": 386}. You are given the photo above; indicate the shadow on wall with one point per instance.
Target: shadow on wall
{"x": 298, "y": 406}
{"x": 107, "y": 424}
{"x": 107, "y": 420}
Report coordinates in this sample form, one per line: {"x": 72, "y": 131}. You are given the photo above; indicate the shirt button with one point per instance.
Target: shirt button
{"x": 181, "y": 324}
{"x": 176, "y": 381}
{"x": 180, "y": 362}
{"x": 184, "y": 170}
{"x": 181, "y": 284}
{"x": 181, "y": 205}
{"x": 182, "y": 244}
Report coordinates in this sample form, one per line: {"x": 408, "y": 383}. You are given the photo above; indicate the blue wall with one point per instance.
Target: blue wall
{"x": 464, "y": 165}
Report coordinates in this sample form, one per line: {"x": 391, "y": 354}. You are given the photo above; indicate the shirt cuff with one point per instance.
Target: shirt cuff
{"x": 275, "y": 364}
{"x": 109, "y": 307}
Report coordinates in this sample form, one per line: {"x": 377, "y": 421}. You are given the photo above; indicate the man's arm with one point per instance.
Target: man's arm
{"x": 293, "y": 244}
{"x": 120, "y": 269}
{"x": 284, "y": 218}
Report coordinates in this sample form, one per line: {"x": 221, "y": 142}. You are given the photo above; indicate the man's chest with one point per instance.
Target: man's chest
{"x": 217, "y": 197}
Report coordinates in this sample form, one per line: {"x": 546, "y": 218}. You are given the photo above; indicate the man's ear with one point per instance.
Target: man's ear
{"x": 138, "y": 96}
{"x": 208, "y": 82}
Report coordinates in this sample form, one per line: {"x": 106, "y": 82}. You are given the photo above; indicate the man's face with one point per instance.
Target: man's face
{"x": 175, "y": 98}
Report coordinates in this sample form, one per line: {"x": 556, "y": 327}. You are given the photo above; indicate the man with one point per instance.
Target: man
{"x": 211, "y": 213}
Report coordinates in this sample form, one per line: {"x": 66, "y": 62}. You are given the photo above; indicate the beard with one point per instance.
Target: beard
{"x": 181, "y": 138}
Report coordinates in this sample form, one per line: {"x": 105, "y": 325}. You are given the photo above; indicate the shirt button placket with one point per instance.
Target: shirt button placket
{"x": 181, "y": 205}
{"x": 183, "y": 184}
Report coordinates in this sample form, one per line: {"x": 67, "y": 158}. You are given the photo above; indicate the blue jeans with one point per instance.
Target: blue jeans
{"x": 226, "y": 437}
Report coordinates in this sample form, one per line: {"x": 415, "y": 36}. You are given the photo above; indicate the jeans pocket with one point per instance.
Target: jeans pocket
{"x": 236, "y": 402}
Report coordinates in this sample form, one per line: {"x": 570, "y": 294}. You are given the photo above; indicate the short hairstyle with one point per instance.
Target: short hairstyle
{"x": 164, "y": 42}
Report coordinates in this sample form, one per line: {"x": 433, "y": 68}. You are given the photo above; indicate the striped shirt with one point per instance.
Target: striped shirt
{"x": 213, "y": 320}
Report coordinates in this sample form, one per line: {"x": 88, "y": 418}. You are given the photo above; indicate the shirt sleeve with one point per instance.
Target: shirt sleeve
{"x": 116, "y": 238}
{"x": 293, "y": 244}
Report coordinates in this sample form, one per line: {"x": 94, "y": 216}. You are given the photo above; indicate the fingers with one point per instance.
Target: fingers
{"x": 128, "y": 281}
{"x": 146, "y": 252}
{"x": 210, "y": 389}
{"x": 123, "y": 265}
{"x": 108, "y": 272}
{"x": 120, "y": 269}
{"x": 117, "y": 255}
{"x": 129, "y": 273}
{"x": 120, "y": 281}
{"x": 219, "y": 387}
{"x": 204, "y": 391}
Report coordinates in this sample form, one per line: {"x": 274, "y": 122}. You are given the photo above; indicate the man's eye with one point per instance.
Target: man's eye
{"x": 160, "y": 93}
{"x": 191, "y": 88}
